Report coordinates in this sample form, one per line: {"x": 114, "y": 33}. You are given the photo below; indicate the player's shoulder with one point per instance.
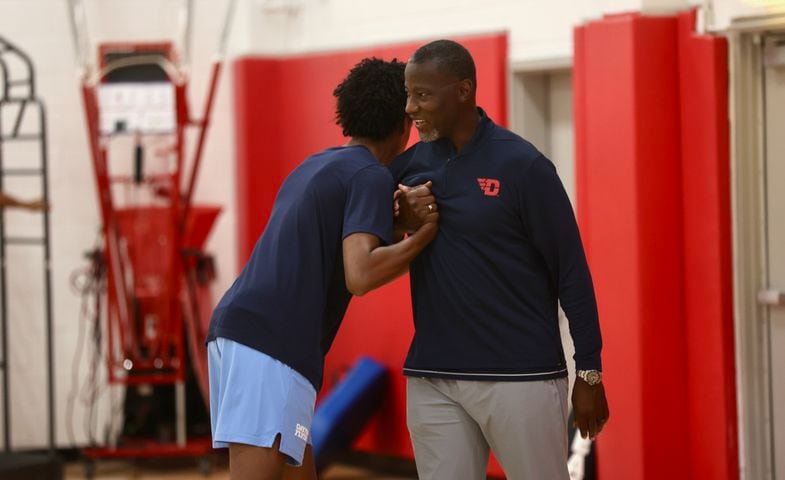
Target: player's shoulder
{"x": 408, "y": 159}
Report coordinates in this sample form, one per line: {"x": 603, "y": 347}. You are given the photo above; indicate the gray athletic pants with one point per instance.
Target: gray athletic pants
{"x": 453, "y": 424}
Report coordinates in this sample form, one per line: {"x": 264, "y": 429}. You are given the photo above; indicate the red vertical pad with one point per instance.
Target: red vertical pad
{"x": 284, "y": 111}
{"x": 708, "y": 282}
{"x": 257, "y": 107}
{"x": 629, "y": 184}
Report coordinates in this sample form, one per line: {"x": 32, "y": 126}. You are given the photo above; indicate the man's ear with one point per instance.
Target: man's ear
{"x": 465, "y": 90}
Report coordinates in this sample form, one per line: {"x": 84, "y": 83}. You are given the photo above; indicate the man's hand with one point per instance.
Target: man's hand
{"x": 590, "y": 407}
{"x": 415, "y": 206}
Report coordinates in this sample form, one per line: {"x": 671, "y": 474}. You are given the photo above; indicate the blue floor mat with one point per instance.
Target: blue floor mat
{"x": 344, "y": 412}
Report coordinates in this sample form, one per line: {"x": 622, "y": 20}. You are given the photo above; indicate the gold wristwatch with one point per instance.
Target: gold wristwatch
{"x": 592, "y": 377}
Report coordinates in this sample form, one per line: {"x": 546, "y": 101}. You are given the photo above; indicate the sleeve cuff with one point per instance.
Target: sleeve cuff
{"x": 591, "y": 363}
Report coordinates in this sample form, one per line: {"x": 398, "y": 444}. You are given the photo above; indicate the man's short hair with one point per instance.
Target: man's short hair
{"x": 450, "y": 57}
{"x": 371, "y": 100}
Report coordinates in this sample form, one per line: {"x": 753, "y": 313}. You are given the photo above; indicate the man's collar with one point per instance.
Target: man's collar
{"x": 483, "y": 127}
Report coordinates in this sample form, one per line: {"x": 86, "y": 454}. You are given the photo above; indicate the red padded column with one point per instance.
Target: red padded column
{"x": 629, "y": 185}
{"x": 708, "y": 282}
{"x": 257, "y": 128}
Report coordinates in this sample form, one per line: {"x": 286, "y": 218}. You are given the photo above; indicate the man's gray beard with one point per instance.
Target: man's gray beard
{"x": 430, "y": 137}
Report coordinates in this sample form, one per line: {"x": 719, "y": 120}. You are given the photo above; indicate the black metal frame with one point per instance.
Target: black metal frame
{"x": 27, "y": 98}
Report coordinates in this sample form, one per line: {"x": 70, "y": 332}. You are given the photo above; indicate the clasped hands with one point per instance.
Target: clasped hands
{"x": 414, "y": 207}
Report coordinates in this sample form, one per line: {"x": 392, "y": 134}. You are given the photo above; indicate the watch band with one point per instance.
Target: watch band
{"x": 592, "y": 377}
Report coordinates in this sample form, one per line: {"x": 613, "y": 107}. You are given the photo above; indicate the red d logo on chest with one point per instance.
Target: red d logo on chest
{"x": 490, "y": 186}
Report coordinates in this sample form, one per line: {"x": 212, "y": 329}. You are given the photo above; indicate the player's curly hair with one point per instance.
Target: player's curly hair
{"x": 371, "y": 100}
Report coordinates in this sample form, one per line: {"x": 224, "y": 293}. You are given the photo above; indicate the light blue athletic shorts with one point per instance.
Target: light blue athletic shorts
{"x": 254, "y": 398}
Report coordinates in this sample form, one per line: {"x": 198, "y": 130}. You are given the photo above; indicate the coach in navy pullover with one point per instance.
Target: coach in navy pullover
{"x": 485, "y": 292}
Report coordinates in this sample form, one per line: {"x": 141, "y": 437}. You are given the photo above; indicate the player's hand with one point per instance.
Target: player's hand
{"x": 428, "y": 230}
{"x": 590, "y": 407}
{"x": 416, "y": 206}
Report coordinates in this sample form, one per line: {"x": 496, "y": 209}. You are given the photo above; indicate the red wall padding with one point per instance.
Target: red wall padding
{"x": 284, "y": 112}
{"x": 652, "y": 173}
{"x": 708, "y": 282}
{"x": 630, "y": 214}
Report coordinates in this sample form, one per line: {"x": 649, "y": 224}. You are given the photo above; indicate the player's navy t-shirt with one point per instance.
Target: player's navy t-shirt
{"x": 290, "y": 298}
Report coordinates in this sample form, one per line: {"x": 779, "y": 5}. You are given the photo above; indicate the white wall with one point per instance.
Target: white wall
{"x": 720, "y": 13}
{"x": 41, "y": 28}
{"x": 562, "y": 140}
{"x": 537, "y": 29}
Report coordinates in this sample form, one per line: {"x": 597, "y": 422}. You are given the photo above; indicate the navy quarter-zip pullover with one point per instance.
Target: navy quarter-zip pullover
{"x": 485, "y": 292}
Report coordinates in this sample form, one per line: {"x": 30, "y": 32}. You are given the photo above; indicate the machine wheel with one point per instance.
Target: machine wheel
{"x": 205, "y": 465}
{"x": 89, "y": 469}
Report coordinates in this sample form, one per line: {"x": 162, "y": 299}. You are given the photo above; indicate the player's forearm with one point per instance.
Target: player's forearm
{"x": 384, "y": 264}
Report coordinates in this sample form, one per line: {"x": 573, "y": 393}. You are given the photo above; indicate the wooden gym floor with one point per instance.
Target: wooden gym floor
{"x": 188, "y": 470}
